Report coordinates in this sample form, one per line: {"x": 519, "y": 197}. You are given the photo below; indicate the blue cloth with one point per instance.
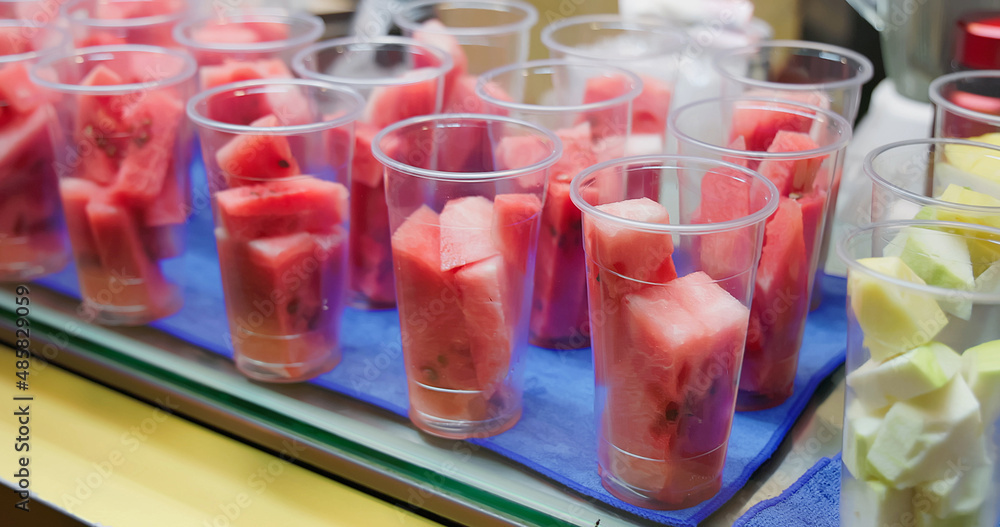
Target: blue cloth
{"x": 812, "y": 501}
{"x": 556, "y": 435}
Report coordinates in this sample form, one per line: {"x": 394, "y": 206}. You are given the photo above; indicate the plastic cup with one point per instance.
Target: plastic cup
{"x": 942, "y": 179}
{"x": 399, "y": 78}
{"x": 967, "y": 105}
{"x": 260, "y": 40}
{"x": 802, "y": 166}
{"x": 480, "y": 35}
{"x": 923, "y": 383}
{"x": 280, "y": 199}
{"x": 650, "y": 50}
{"x": 670, "y": 267}
{"x": 463, "y": 245}
{"x": 116, "y": 22}
{"x": 32, "y": 228}
{"x": 122, "y": 159}
{"x": 588, "y": 107}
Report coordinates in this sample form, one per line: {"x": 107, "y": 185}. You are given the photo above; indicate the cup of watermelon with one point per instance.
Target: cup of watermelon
{"x": 281, "y": 206}
{"x": 246, "y": 44}
{"x": 399, "y": 78}
{"x": 799, "y": 148}
{"x": 593, "y": 125}
{"x": 32, "y": 230}
{"x": 122, "y": 160}
{"x": 463, "y": 246}
{"x": 668, "y": 329}
{"x": 922, "y": 408}
{"x": 966, "y": 104}
{"x": 112, "y": 22}
{"x": 650, "y": 50}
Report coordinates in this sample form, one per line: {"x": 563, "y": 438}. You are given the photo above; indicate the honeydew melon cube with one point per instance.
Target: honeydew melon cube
{"x": 860, "y": 429}
{"x": 875, "y": 504}
{"x": 961, "y": 494}
{"x": 940, "y": 259}
{"x": 921, "y": 439}
{"x": 893, "y": 318}
{"x": 981, "y": 367}
{"x": 948, "y": 174}
{"x": 916, "y": 372}
{"x": 981, "y": 167}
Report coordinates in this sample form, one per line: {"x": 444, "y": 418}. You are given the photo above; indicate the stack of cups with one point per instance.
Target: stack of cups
{"x": 588, "y": 106}
{"x": 399, "y": 78}
{"x": 32, "y": 229}
{"x": 799, "y": 148}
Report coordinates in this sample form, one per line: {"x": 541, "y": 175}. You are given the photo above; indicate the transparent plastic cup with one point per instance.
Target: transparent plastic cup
{"x": 116, "y": 22}
{"x": 935, "y": 179}
{"x": 588, "y": 107}
{"x": 280, "y": 198}
{"x": 650, "y": 50}
{"x": 670, "y": 269}
{"x": 479, "y": 35}
{"x": 122, "y": 159}
{"x": 923, "y": 382}
{"x": 263, "y": 41}
{"x": 399, "y": 78}
{"x": 36, "y": 12}
{"x": 967, "y": 105}
{"x": 32, "y": 229}
{"x": 803, "y": 165}
{"x": 463, "y": 245}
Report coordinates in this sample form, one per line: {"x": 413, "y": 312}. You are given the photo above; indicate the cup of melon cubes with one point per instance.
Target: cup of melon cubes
{"x": 122, "y": 161}
{"x": 593, "y": 124}
{"x": 111, "y": 22}
{"x": 966, "y": 104}
{"x": 463, "y": 246}
{"x": 246, "y": 44}
{"x": 668, "y": 329}
{"x": 399, "y": 78}
{"x": 278, "y": 157}
{"x": 799, "y": 148}
{"x": 921, "y": 431}
{"x": 32, "y": 229}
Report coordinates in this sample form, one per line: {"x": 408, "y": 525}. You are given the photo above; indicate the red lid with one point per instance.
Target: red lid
{"x": 977, "y": 41}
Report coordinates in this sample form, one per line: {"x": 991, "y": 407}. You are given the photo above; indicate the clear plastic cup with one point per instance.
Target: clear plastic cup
{"x": 588, "y": 106}
{"x": 463, "y": 245}
{"x": 928, "y": 179}
{"x": 923, "y": 381}
{"x": 399, "y": 78}
{"x": 247, "y": 43}
{"x": 800, "y": 148}
{"x": 37, "y": 12}
{"x": 280, "y": 198}
{"x": 668, "y": 327}
{"x": 116, "y": 22}
{"x": 122, "y": 159}
{"x": 650, "y": 50}
{"x": 480, "y": 35}
{"x": 32, "y": 229}
{"x": 967, "y": 105}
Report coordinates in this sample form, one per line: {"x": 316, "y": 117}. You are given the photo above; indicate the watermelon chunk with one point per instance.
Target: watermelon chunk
{"x": 23, "y": 141}
{"x": 100, "y": 126}
{"x": 795, "y": 175}
{"x": 780, "y": 304}
{"x": 17, "y": 92}
{"x": 434, "y": 33}
{"x": 725, "y": 256}
{"x": 246, "y": 158}
{"x": 465, "y": 232}
{"x": 461, "y": 97}
{"x": 643, "y": 256}
{"x": 154, "y": 122}
{"x": 225, "y": 34}
{"x": 486, "y": 297}
{"x": 813, "y": 215}
{"x": 76, "y": 194}
{"x": 578, "y": 153}
{"x": 391, "y": 104}
{"x": 759, "y": 126}
{"x": 372, "y": 277}
{"x": 232, "y": 70}
{"x": 13, "y": 40}
{"x": 171, "y": 206}
{"x": 365, "y": 169}
{"x": 649, "y": 108}
{"x": 277, "y": 208}
{"x": 514, "y": 226}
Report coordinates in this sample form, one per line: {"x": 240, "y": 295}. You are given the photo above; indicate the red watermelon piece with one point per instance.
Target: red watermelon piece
{"x": 391, "y": 104}
{"x": 23, "y": 140}
{"x": 610, "y": 122}
{"x": 225, "y": 34}
{"x": 486, "y": 300}
{"x": 76, "y": 194}
{"x": 154, "y": 122}
{"x": 13, "y": 40}
{"x": 100, "y": 126}
{"x": 17, "y": 92}
{"x": 282, "y": 207}
{"x": 247, "y": 158}
{"x": 371, "y": 254}
{"x": 759, "y": 126}
{"x": 515, "y": 220}
{"x": 643, "y": 256}
{"x": 434, "y": 33}
{"x": 813, "y": 214}
{"x": 465, "y": 232}
{"x": 792, "y": 175}
{"x": 725, "y": 256}
{"x": 578, "y": 153}
{"x": 169, "y": 207}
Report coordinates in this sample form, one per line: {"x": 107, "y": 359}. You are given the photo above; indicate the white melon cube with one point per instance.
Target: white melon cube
{"x": 914, "y": 373}
{"x": 874, "y": 504}
{"x": 939, "y": 258}
{"x": 860, "y": 430}
{"x": 981, "y": 367}
{"x": 962, "y": 493}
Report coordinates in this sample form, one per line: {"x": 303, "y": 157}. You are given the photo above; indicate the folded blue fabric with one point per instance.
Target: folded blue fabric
{"x": 813, "y": 501}
{"x": 556, "y": 435}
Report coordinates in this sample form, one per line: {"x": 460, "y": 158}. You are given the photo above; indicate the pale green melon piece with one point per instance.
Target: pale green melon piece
{"x": 939, "y": 258}
{"x": 980, "y": 164}
{"x": 981, "y": 367}
{"x": 916, "y": 372}
{"x": 922, "y": 438}
{"x": 860, "y": 428}
{"x": 947, "y": 174}
{"x": 893, "y": 318}
{"x": 959, "y": 495}
{"x": 874, "y": 504}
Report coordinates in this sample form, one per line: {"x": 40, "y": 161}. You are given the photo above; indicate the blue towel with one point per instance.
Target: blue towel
{"x": 812, "y": 501}
{"x": 556, "y": 435}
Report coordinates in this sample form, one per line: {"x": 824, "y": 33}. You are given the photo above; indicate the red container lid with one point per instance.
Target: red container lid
{"x": 977, "y": 41}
